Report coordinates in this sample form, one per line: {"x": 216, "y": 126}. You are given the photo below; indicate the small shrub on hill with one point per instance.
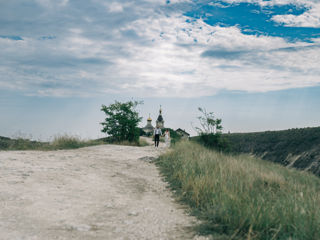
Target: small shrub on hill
{"x": 210, "y": 131}
{"x": 67, "y": 142}
{"x": 214, "y": 141}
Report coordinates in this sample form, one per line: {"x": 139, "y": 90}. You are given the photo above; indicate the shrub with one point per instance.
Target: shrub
{"x": 214, "y": 141}
{"x": 67, "y": 142}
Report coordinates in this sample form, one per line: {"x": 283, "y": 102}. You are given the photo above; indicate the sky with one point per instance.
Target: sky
{"x": 254, "y": 63}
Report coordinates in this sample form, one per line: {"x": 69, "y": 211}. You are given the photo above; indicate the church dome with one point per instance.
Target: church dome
{"x": 160, "y": 121}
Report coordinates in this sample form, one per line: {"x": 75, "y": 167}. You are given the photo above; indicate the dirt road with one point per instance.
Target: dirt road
{"x": 100, "y": 192}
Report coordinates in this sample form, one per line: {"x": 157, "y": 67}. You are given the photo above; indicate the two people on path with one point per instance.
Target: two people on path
{"x": 157, "y": 133}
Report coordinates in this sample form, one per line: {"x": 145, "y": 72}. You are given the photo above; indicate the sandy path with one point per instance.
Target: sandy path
{"x": 100, "y": 192}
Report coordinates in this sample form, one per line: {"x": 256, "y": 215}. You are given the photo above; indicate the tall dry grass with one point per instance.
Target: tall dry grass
{"x": 242, "y": 196}
{"x": 59, "y": 142}
{"x": 68, "y": 142}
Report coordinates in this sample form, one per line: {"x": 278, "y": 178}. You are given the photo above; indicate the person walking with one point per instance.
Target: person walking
{"x": 167, "y": 138}
{"x": 157, "y": 133}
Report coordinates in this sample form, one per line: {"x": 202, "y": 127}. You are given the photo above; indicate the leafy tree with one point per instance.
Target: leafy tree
{"x": 210, "y": 132}
{"x": 122, "y": 120}
{"x": 209, "y": 124}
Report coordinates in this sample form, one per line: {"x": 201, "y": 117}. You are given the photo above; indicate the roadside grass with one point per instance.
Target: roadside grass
{"x": 71, "y": 142}
{"x": 143, "y": 142}
{"x": 243, "y": 197}
{"x": 21, "y": 144}
{"x": 60, "y": 142}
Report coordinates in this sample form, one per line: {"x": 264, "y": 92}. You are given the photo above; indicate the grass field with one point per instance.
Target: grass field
{"x": 242, "y": 197}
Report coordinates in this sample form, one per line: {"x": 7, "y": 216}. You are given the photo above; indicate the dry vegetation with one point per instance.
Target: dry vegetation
{"x": 242, "y": 196}
{"x": 59, "y": 142}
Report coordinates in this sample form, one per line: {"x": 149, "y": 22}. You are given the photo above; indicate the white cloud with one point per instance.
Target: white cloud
{"x": 52, "y": 3}
{"x": 144, "y": 51}
{"x": 114, "y": 7}
{"x": 310, "y": 18}
{"x": 274, "y": 2}
{"x": 181, "y": 71}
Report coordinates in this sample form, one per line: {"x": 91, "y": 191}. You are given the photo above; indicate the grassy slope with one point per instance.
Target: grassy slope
{"x": 242, "y": 196}
{"x": 299, "y": 148}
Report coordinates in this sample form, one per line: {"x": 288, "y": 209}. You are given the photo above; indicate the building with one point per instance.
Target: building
{"x": 148, "y": 129}
{"x": 183, "y": 133}
{"x": 160, "y": 121}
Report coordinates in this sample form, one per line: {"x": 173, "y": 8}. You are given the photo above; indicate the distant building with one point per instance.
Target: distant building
{"x": 183, "y": 133}
{"x": 160, "y": 121}
{"x": 148, "y": 129}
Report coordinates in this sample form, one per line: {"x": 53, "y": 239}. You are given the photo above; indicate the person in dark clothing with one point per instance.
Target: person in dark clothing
{"x": 157, "y": 133}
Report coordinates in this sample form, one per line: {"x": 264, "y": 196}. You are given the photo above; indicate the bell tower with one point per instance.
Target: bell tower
{"x": 160, "y": 121}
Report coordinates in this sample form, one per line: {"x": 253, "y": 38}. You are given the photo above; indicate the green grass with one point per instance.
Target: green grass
{"x": 58, "y": 143}
{"x": 20, "y": 144}
{"x": 71, "y": 142}
{"x": 243, "y": 197}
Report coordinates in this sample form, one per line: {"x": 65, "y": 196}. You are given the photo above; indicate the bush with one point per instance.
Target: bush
{"x": 210, "y": 131}
{"x": 67, "y": 142}
{"x": 214, "y": 141}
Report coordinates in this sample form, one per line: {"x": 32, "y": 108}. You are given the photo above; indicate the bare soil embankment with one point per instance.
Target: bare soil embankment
{"x": 100, "y": 192}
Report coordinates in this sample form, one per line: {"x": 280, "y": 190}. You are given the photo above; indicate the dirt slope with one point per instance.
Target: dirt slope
{"x": 101, "y": 192}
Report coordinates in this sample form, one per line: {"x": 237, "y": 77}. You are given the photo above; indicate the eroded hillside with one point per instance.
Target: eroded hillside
{"x": 298, "y": 148}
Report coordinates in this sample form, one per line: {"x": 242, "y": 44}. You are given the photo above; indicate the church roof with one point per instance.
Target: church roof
{"x": 179, "y": 130}
{"x": 160, "y": 118}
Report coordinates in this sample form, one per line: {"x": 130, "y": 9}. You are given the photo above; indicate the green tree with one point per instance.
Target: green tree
{"x": 210, "y": 130}
{"x": 209, "y": 124}
{"x": 122, "y": 120}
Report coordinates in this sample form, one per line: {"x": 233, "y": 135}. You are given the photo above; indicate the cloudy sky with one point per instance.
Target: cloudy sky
{"x": 254, "y": 63}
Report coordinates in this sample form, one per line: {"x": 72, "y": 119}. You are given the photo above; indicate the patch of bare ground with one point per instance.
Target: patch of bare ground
{"x": 100, "y": 192}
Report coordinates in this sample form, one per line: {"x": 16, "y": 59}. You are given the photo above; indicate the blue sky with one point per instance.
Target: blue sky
{"x": 252, "y": 62}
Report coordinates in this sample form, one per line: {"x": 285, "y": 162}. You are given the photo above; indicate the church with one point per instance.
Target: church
{"x": 148, "y": 129}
